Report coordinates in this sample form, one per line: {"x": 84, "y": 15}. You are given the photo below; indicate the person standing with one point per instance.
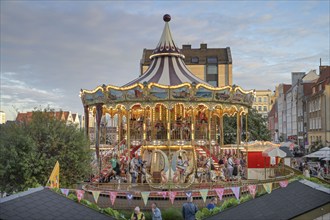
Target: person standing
{"x": 137, "y": 214}
{"x": 230, "y": 167}
{"x": 189, "y": 209}
{"x": 212, "y": 203}
{"x": 156, "y": 213}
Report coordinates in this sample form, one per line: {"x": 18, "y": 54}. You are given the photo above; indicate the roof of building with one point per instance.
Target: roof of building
{"x": 24, "y": 117}
{"x": 297, "y": 198}
{"x": 42, "y": 203}
{"x": 167, "y": 66}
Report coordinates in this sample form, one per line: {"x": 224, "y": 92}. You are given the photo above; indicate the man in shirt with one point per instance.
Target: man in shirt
{"x": 156, "y": 214}
{"x": 189, "y": 209}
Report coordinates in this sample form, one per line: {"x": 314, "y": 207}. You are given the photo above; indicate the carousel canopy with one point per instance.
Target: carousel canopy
{"x": 167, "y": 66}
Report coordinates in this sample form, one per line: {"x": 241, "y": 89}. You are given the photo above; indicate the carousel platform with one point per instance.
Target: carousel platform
{"x": 161, "y": 196}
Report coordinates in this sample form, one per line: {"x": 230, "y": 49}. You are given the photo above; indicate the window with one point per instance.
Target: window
{"x": 259, "y": 99}
{"x": 265, "y": 99}
{"x": 212, "y": 60}
{"x": 194, "y": 59}
{"x": 255, "y": 107}
{"x": 213, "y": 83}
{"x": 265, "y": 108}
{"x": 259, "y": 108}
{"x": 212, "y": 69}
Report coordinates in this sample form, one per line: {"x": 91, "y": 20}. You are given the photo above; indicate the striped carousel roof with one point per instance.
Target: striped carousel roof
{"x": 167, "y": 66}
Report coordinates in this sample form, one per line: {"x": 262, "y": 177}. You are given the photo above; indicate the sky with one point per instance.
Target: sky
{"x": 52, "y": 49}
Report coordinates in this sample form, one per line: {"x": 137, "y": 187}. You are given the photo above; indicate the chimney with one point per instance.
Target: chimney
{"x": 203, "y": 46}
{"x": 186, "y": 47}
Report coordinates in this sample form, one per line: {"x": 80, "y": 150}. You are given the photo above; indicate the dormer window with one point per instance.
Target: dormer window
{"x": 194, "y": 60}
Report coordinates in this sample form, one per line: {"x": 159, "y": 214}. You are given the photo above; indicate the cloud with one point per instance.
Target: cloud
{"x": 50, "y": 50}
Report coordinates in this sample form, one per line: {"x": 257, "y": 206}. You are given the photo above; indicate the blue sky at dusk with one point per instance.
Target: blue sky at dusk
{"x": 52, "y": 49}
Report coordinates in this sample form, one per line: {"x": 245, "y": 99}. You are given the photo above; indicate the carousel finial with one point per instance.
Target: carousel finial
{"x": 167, "y": 17}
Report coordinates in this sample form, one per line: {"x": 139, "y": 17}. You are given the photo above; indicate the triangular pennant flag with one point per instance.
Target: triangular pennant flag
{"x": 163, "y": 193}
{"x": 113, "y": 196}
{"x": 96, "y": 195}
{"x": 219, "y": 192}
{"x": 203, "y": 193}
{"x": 54, "y": 179}
{"x": 80, "y": 194}
{"x": 268, "y": 187}
{"x": 236, "y": 191}
{"x": 188, "y": 194}
{"x": 283, "y": 183}
{"x": 145, "y": 196}
{"x": 65, "y": 191}
{"x": 172, "y": 195}
{"x": 252, "y": 190}
{"x": 129, "y": 196}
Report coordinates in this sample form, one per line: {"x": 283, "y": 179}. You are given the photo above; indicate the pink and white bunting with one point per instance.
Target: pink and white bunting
{"x": 219, "y": 192}
{"x": 203, "y": 193}
{"x": 96, "y": 195}
{"x": 163, "y": 193}
{"x": 284, "y": 183}
{"x": 236, "y": 191}
{"x": 65, "y": 192}
{"x": 80, "y": 194}
{"x": 172, "y": 195}
{"x": 252, "y": 189}
{"x": 145, "y": 196}
{"x": 188, "y": 194}
{"x": 113, "y": 196}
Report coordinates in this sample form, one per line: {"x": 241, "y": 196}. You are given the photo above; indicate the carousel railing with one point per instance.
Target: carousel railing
{"x": 281, "y": 173}
{"x": 180, "y": 131}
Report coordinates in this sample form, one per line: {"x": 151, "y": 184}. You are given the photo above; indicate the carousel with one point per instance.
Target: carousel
{"x": 169, "y": 123}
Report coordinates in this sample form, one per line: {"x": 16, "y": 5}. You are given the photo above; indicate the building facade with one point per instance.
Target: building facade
{"x": 304, "y": 90}
{"x": 281, "y": 110}
{"x": 318, "y": 110}
{"x": 2, "y": 117}
{"x": 273, "y": 122}
{"x": 263, "y": 102}
{"x": 291, "y": 106}
{"x": 213, "y": 65}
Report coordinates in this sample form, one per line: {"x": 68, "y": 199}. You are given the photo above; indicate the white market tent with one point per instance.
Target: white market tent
{"x": 273, "y": 152}
{"x": 322, "y": 153}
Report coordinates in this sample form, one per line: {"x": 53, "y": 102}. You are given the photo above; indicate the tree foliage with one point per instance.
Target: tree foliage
{"x": 29, "y": 151}
{"x": 257, "y": 128}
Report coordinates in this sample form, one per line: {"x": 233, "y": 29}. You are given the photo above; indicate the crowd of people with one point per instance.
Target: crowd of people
{"x": 189, "y": 210}
{"x": 311, "y": 169}
{"x": 231, "y": 167}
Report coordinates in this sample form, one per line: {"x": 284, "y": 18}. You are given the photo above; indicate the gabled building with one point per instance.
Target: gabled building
{"x": 304, "y": 90}
{"x": 318, "y": 109}
{"x": 66, "y": 116}
{"x": 291, "y": 106}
